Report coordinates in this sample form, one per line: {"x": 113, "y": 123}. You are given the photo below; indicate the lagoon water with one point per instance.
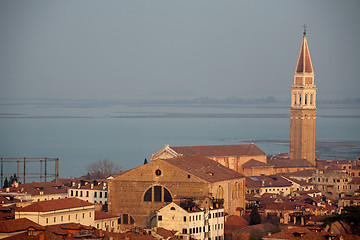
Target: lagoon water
{"x": 81, "y": 132}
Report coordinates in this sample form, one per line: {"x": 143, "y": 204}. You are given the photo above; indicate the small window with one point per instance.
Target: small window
{"x": 158, "y": 172}
{"x": 172, "y": 208}
{"x": 159, "y": 218}
{"x": 95, "y": 194}
{"x": 100, "y": 195}
{"x": 87, "y": 193}
{"x": 188, "y": 176}
{"x": 184, "y": 218}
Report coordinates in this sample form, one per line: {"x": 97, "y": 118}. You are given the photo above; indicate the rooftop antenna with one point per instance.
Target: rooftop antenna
{"x": 304, "y": 29}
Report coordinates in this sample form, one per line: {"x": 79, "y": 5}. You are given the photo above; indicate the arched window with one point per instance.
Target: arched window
{"x": 167, "y": 196}
{"x": 220, "y": 193}
{"x": 148, "y": 195}
{"x": 125, "y": 219}
{"x": 161, "y": 194}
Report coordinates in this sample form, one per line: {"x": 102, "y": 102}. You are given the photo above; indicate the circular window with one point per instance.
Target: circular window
{"x": 158, "y": 172}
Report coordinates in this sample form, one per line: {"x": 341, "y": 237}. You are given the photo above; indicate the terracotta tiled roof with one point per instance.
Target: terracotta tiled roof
{"x": 220, "y": 150}
{"x": 16, "y": 225}
{"x": 68, "y": 231}
{"x": 304, "y": 61}
{"x": 256, "y": 164}
{"x": 88, "y": 187}
{"x": 204, "y": 168}
{"x": 309, "y": 233}
{"x": 103, "y": 215}
{"x": 236, "y": 221}
{"x": 300, "y": 182}
{"x": 165, "y": 233}
{"x": 289, "y": 206}
{"x": 355, "y": 180}
{"x": 287, "y": 163}
{"x": 52, "y": 205}
{"x": 35, "y": 188}
{"x": 266, "y": 181}
{"x": 305, "y": 173}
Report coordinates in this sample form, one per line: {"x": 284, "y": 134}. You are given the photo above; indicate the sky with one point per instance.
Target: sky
{"x": 185, "y": 49}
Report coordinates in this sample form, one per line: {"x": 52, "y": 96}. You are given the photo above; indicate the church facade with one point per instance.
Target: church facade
{"x": 303, "y": 108}
{"x": 138, "y": 193}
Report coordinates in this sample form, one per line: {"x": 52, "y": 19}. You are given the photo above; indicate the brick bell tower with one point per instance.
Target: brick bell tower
{"x": 303, "y": 107}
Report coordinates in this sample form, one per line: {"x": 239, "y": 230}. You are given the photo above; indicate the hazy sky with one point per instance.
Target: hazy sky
{"x": 175, "y": 49}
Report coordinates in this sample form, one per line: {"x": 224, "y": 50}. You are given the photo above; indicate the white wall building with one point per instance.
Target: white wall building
{"x": 90, "y": 192}
{"x": 199, "y": 223}
{"x": 67, "y": 210}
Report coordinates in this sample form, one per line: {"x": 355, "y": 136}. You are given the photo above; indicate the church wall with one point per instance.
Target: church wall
{"x": 235, "y": 162}
{"x": 126, "y": 192}
{"x": 233, "y": 194}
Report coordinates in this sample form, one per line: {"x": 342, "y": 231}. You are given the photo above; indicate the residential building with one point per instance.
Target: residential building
{"x": 333, "y": 184}
{"x": 37, "y": 191}
{"x": 200, "y": 221}
{"x": 268, "y": 184}
{"x": 92, "y": 191}
{"x": 59, "y": 211}
{"x": 12, "y": 227}
{"x": 106, "y": 221}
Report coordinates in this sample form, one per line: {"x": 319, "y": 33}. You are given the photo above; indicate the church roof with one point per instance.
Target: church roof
{"x": 287, "y": 163}
{"x": 304, "y": 64}
{"x": 252, "y": 163}
{"x": 204, "y": 168}
{"x": 220, "y": 150}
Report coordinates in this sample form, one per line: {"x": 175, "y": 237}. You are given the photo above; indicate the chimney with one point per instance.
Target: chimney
{"x": 92, "y": 185}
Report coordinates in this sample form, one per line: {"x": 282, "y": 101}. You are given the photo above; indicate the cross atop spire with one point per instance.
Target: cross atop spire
{"x": 304, "y": 61}
{"x": 304, "y": 29}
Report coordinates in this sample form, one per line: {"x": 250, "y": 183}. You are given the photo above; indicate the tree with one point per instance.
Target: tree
{"x": 102, "y": 168}
{"x": 6, "y": 183}
{"x": 145, "y": 161}
{"x": 255, "y": 216}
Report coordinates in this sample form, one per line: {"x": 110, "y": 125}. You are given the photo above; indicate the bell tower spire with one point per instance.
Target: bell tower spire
{"x": 303, "y": 107}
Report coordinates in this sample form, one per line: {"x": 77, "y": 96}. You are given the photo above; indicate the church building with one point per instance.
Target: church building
{"x": 138, "y": 193}
{"x": 303, "y": 108}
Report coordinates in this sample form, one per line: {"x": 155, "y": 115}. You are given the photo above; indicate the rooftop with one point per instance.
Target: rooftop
{"x": 220, "y": 150}
{"x": 203, "y": 167}
{"x": 53, "y": 205}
